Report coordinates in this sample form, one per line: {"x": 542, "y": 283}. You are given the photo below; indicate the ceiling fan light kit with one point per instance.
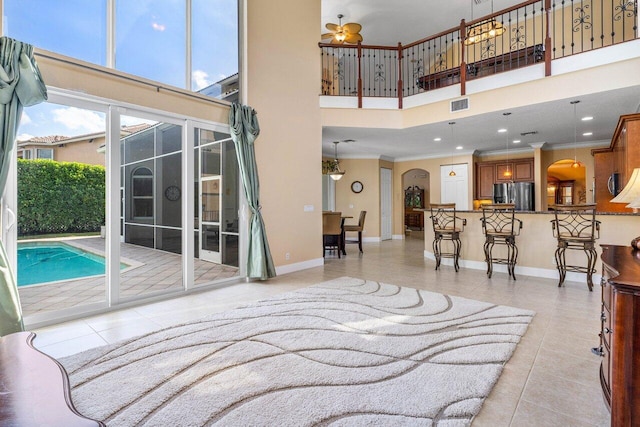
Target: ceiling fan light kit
{"x": 340, "y": 34}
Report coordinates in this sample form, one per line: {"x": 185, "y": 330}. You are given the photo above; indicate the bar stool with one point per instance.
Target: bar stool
{"x": 576, "y": 227}
{"x": 446, "y": 226}
{"x": 499, "y": 227}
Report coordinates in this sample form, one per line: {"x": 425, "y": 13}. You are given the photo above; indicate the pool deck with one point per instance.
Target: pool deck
{"x": 151, "y": 271}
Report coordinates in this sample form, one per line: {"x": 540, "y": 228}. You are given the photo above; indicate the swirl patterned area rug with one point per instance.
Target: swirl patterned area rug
{"x": 343, "y": 352}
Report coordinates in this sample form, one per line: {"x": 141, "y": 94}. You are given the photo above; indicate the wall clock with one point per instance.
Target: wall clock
{"x": 356, "y": 186}
{"x": 172, "y": 193}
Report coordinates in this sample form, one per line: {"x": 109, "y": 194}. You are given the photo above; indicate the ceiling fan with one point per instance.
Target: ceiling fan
{"x": 340, "y": 34}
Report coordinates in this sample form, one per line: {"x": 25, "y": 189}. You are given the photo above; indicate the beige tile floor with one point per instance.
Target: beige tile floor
{"x": 551, "y": 380}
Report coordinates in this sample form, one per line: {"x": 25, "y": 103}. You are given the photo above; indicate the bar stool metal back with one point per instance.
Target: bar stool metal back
{"x": 576, "y": 228}
{"x": 500, "y": 226}
{"x": 446, "y": 226}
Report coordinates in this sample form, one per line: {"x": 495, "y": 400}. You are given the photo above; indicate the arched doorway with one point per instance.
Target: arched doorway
{"x": 566, "y": 183}
{"x": 415, "y": 184}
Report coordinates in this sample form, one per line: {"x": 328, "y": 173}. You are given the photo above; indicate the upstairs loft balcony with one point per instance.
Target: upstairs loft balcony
{"x": 535, "y": 32}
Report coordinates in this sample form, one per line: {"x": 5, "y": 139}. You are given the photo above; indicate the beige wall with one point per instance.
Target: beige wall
{"x": 350, "y": 203}
{"x": 115, "y": 85}
{"x": 432, "y": 166}
{"x": 283, "y": 86}
{"x": 81, "y": 152}
{"x": 583, "y": 155}
{"x": 533, "y": 92}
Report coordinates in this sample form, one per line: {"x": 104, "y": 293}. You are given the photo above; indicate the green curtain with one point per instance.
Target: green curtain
{"x": 243, "y": 121}
{"x": 20, "y": 85}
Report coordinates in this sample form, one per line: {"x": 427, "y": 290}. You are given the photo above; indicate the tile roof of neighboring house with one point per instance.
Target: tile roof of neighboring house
{"x": 135, "y": 128}
{"x": 59, "y": 139}
{"x": 46, "y": 139}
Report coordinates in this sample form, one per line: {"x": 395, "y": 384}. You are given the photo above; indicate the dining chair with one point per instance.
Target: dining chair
{"x": 331, "y": 232}
{"x": 500, "y": 226}
{"x": 446, "y": 226}
{"x": 356, "y": 228}
{"x": 576, "y": 228}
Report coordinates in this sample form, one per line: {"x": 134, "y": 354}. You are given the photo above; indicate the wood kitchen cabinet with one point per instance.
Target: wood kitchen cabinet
{"x": 485, "y": 178}
{"x": 621, "y": 157}
{"x": 489, "y": 173}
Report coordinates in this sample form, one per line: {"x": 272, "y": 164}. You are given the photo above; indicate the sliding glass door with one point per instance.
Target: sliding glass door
{"x": 218, "y": 204}
{"x": 151, "y": 206}
{"x": 129, "y": 218}
{"x": 57, "y": 197}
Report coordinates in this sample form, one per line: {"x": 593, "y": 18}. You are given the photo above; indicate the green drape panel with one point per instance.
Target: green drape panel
{"x": 20, "y": 85}
{"x": 243, "y": 121}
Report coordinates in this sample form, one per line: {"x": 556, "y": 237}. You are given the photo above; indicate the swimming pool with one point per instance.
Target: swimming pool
{"x": 42, "y": 262}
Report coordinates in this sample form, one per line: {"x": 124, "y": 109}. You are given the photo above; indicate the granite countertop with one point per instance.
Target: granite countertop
{"x": 538, "y": 212}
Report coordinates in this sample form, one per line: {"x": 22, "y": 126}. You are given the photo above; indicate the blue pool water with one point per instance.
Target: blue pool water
{"x": 53, "y": 261}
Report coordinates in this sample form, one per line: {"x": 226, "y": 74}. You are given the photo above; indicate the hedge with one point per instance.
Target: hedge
{"x": 60, "y": 197}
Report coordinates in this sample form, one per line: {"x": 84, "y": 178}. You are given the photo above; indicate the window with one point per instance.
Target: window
{"x": 214, "y": 47}
{"x": 150, "y": 38}
{"x": 44, "y": 153}
{"x": 142, "y": 193}
{"x": 75, "y": 28}
{"x": 24, "y": 154}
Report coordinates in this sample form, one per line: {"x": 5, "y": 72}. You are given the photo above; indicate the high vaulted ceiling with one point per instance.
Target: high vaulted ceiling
{"x": 387, "y": 22}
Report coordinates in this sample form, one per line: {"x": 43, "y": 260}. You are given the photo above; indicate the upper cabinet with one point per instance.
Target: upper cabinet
{"x": 614, "y": 165}
{"x": 489, "y": 173}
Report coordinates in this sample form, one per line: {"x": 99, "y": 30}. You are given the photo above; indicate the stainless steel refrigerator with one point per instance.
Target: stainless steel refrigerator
{"x": 519, "y": 193}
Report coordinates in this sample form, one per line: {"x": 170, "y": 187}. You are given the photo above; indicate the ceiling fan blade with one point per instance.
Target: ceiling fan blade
{"x": 353, "y": 38}
{"x": 333, "y": 27}
{"x": 326, "y": 36}
{"x": 352, "y": 27}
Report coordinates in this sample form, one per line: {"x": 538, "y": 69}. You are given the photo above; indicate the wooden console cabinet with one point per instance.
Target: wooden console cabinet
{"x": 620, "y": 334}
{"x": 413, "y": 204}
{"x": 34, "y": 388}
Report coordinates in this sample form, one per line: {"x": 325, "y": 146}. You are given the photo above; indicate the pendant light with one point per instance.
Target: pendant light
{"x": 576, "y": 164}
{"x": 336, "y": 173}
{"x": 507, "y": 173}
{"x": 452, "y": 173}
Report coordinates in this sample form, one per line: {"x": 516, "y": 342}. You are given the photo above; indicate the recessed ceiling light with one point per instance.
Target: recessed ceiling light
{"x": 437, "y": 139}
{"x": 516, "y": 141}
{"x": 587, "y": 134}
{"x": 502, "y": 130}
{"x": 459, "y": 147}
{"x": 587, "y": 118}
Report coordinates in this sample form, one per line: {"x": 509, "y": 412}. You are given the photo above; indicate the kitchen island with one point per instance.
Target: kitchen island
{"x": 536, "y": 244}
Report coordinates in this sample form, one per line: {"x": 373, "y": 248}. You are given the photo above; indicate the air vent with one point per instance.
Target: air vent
{"x": 460, "y": 104}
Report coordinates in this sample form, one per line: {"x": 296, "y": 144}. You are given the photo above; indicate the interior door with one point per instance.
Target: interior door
{"x": 455, "y": 189}
{"x": 210, "y": 207}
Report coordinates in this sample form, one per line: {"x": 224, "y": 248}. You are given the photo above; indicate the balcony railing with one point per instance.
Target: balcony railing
{"x": 535, "y": 31}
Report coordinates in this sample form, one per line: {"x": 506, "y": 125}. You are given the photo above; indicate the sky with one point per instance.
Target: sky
{"x": 149, "y": 34}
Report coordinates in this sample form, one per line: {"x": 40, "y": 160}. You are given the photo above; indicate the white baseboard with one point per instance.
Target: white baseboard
{"x": 545, "y": 273}
{"x": 398, "y": 237}
{"x": 290, "y": 268}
